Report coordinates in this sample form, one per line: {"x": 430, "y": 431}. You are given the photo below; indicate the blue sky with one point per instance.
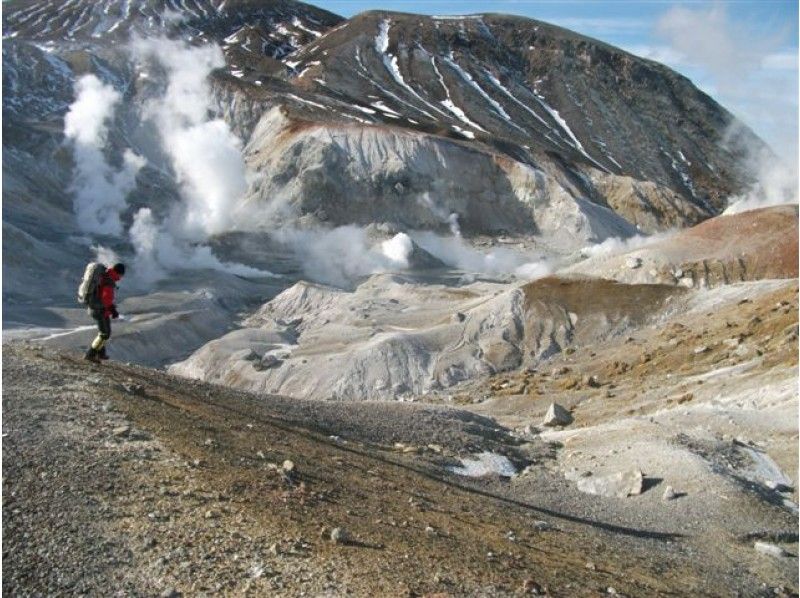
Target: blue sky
{"x": 744, "y": 53}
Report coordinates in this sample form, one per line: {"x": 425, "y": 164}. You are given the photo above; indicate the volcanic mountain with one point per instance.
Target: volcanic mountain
{"x": 431, "y": 276}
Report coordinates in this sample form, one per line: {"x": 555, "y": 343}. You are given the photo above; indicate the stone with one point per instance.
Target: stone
{"x": 134, "y": 389}
{"x": 121, "y": 431}
{"x": 616, "y": 485}
{"x": 777, "y": 486}
{"x": 170, "y": 593}
{"x": 269, "y": 361}
{"x": 701, "y": 349}
{"x": 591, "y": 381}
{"x": 459, "y": 317}
{"x": 669, "y": 493}
{"x": 633, "y": 262}
{"x": 557, "y": 416}
{"x": 289, "y": 467}
{"x": 769, "y": 549}
{"x": 531, "y": 587}
{"x": 339, "y": 536}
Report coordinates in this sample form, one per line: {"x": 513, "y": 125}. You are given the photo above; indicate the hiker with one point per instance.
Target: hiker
{"x": 100, "y": 300}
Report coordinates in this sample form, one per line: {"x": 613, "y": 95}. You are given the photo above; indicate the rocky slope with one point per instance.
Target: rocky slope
{"x": 123, "y": 476}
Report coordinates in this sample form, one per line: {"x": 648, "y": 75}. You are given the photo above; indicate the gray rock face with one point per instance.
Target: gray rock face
{"x": 616, "y": 485}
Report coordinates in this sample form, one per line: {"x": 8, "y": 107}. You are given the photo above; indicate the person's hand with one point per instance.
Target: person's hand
{"x": 114, "y": 312}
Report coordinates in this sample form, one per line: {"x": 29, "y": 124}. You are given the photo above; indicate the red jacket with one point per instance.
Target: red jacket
{"x": 106, "y": 291}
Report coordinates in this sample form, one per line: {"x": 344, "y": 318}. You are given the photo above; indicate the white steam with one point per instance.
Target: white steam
{"x": 208, "y": 163}
{"x": 398, "y": 249}
{"x": 158, "y": 252}
{"x": 342, "y": 255}
{"x": 205, "y": 154}
{"x": 99, "y": 188}
{"x": 775, "y": 183}
{"x": 753, "y": 72}
{"x": 455, "y": 252}
{"x": 616, "y": 246}
{"x": 105, "y": 255}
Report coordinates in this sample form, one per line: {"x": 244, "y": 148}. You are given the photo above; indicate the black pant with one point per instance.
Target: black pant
{"x": 103, "y": 329}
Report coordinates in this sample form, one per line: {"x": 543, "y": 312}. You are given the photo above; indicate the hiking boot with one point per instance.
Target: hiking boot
{"x": 92, "y": 355}
{"x": 101, "y": 354}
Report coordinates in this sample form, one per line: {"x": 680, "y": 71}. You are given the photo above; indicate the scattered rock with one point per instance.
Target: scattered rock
{"x": 777, "y": 486}
{"x": 531, "y": 587}
{"x": 134, "y": 389}
{"x": 669, "y": 493}
{"x": 633, "y": 262}
{"x": 121, "y": 431}
{"x": 591, "y": 381}
{"x": 340, "y": 536}
{"x": 557, "y": 416}
{"x": 769, "y": 549}
{"x": 619, "y": 485}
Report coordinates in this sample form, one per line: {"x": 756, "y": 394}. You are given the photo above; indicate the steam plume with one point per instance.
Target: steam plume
{"x": 100, "y": 189}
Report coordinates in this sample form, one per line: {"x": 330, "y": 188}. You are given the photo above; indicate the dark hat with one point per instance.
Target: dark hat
{"x": 119, "y": 269}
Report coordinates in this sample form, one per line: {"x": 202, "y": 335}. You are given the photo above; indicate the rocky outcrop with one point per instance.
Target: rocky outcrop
{"x": 755, "y": 245}
{"x": 392, "y": 339}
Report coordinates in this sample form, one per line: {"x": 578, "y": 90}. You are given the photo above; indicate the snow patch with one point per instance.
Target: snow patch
{"x": 485, "y": 463}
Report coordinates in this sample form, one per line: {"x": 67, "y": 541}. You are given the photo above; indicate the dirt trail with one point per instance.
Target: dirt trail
{"x": 124, "y": 477}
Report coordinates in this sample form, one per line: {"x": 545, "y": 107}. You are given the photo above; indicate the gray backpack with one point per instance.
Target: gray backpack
{"x": 87, "y": 291}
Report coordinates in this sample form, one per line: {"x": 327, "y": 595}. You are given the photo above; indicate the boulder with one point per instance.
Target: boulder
{"x": 339, "y": 536}
{"x": 669, "y": 493}
{"x": 557, "y": 416}
{"x": 769, "y": 549}
{"x": 619, "y": 485}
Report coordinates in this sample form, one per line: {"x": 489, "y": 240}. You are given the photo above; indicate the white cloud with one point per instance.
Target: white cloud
{"x": 602, "y": 25}
{"x": 660, "y": 53}
{"x": 781, "y": 61}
